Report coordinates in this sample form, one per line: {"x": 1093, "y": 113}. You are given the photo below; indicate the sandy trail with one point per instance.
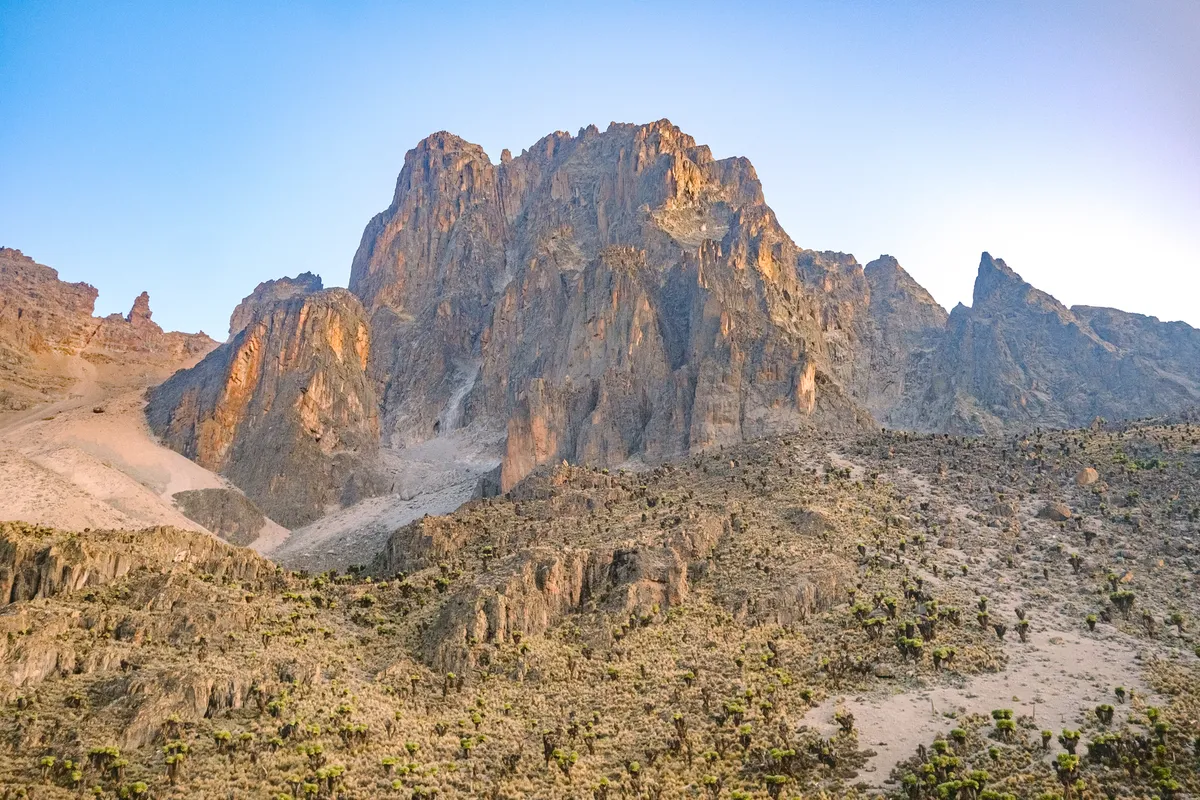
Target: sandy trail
{"x": 1050, "y": 679}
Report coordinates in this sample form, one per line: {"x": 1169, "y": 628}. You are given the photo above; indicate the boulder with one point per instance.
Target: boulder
{"x": 1056, "y": 512}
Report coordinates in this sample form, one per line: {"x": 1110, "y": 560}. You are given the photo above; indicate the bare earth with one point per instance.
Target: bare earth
{"x": 90, "y": 461}
{"x": 434, "y": 477}
{"x": 1047, "y": 680}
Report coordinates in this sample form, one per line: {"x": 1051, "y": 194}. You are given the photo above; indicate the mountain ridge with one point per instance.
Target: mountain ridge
{"x": 622, "y": 298}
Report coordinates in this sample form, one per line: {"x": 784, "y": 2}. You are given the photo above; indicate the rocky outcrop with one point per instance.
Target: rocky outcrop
{"x": 1018, "y": 358}
{"x": 48, "y": 336}
{"x": 269, "y": 292}
{"x": 536, "y": 587}
{"x": 38, "y": 562}
{"x": 540, "y": 587}
{"x": 38, "y": 311}
{"x": 139, "y": 316}
{"x": 284, "y": 409}
{"x": 225, "y": 512}
{"x": 575, "y": 541}
{"x": 167, "y": 578}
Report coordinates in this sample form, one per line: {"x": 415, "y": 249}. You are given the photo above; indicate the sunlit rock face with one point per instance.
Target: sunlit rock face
{"x": 50, "y": 342}
{"x": 284, "y": 409}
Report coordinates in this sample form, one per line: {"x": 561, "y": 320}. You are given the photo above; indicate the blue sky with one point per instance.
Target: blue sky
{"x": 193, "y": 150}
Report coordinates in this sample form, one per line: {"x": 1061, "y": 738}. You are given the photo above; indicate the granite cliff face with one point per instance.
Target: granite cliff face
{"x": 611, "y": 297}
{"x": 49, "y": 340}
{"x": 284, "y": 409}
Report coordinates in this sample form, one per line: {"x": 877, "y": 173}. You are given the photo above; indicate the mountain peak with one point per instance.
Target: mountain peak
{"x": 444, "y": 141}
{"x": 994, "y": 277}
{"x": 269, "y": 292}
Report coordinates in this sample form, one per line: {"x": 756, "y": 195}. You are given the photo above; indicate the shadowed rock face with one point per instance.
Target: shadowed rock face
{"x": 225, "y": 512}
{"x": 1018, "y": 358}
{"x": 284, "y": 409}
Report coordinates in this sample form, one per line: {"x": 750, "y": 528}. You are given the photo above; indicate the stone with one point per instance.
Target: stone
{"x": 1086, "y": 477}
{"x": 225, "y": 512}
{"x": 1055, "y": 512}
{"x": 140, "y": 314}
{"x": 1005, "y": 509}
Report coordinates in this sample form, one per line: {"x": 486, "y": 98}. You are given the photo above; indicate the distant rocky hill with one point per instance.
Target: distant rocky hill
{"x": 1018, "y": 358}
{"x": 624, "y": 298}
{"x": 49, "y": 339}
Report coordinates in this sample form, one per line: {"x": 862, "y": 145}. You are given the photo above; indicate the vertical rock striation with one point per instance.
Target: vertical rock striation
{"x": 625, "y": 295}
{"x": 284, "y": 409}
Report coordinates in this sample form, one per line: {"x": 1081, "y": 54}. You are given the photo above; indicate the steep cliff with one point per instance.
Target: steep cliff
{"x": 603, "y": 298}
{"x": 284, "y": 409}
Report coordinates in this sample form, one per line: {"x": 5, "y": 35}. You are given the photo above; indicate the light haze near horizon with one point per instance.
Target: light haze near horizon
{"x": 193, "y": 150}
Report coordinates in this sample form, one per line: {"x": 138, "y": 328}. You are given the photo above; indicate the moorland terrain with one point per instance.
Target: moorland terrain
{"x": 594, "y": 484}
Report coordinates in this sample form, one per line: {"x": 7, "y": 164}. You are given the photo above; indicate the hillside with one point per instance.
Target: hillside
{"x": 722, "y": 626}
{"x": 75, "y": 448}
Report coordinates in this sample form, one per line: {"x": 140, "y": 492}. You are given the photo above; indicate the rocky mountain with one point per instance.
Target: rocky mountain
{"x": 624, "y": 298}
{"x": 49, "y": 340}
{"x": 1018, "y": 358}
{"x": 606, "y": 298}
{"x": 284, "y": 409}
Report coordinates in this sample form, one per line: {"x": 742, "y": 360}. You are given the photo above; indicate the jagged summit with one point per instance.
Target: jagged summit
{"x": 269, "y": 292}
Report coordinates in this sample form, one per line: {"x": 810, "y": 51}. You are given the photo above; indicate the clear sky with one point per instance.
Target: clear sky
{"x": 193, "y": 150}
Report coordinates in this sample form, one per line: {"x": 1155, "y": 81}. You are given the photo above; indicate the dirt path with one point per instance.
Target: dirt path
{"x": 1050, "y": 679}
